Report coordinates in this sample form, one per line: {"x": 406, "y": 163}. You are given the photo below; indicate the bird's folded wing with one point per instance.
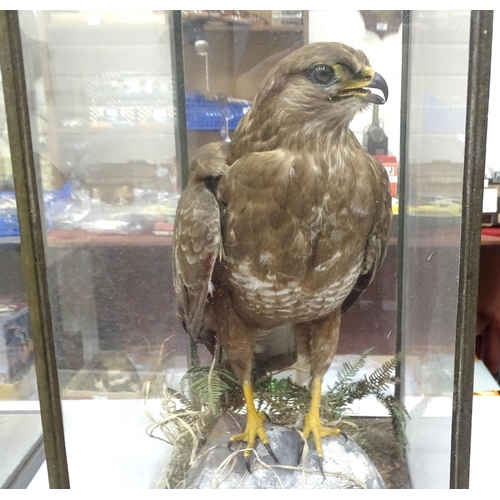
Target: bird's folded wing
{"x": 376, "y": 245}
{"x": 197, "y": 245}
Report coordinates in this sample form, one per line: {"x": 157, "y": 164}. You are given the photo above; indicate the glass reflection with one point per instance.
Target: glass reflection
{"x": 101, "y": 104}
{"x": 437, "y": 98}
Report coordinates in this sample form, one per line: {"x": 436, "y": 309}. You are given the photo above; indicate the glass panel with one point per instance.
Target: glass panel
{"x": 101, "y": 96}
{"x": 438, "y": 69}
{"x": 20, "y": 426}
{"x": 100, "y": 84}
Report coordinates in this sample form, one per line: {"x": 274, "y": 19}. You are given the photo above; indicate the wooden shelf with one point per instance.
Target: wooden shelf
{"x": 80, "y": 238}
{"x": 487, "y": 240}
{"x": 57, "y": 238}
{"x": 10, "y": 240}
{"x": 121, "y": 130}
{"x": 222, "y": 27}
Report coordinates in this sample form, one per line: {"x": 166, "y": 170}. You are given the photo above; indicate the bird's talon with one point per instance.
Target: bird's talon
{"x": 230, "y": 446}
{"x": 247, "y": 463}
{"x": 271, "y": 452}
{"x": 301, "y": 451}
{"x": 344, "y": 435}
{"x": 320, "y": 465}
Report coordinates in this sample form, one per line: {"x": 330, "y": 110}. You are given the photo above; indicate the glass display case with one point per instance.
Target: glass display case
{"x": 115, "y": 106}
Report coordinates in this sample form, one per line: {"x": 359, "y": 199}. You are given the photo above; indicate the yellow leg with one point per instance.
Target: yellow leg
{"x": 313, "y": 424}
{"x": 254, "y": 428}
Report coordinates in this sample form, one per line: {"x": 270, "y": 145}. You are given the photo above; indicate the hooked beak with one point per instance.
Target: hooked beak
{"x": 378, "y": 82}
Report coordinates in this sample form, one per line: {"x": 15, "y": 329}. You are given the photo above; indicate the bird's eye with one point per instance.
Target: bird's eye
{"x": 322, "y": 74}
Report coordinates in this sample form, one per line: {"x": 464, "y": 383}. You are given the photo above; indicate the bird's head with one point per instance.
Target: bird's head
{"x": 321, "y": 80}
{"x": 314, "y": 91}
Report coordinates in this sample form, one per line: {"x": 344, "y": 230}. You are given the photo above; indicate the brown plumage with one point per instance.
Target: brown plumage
{"x": 287, "y": 224}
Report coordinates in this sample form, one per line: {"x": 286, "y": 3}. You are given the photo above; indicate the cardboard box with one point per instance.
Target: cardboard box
{"x": 491, "y": 204}
{"x": 109, "y": 375}
{"x": 16, "y": 348}
{"x": 22, "y": 389}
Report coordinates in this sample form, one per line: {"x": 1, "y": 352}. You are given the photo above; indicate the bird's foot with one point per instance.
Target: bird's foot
{"x": 313, "y": 425}
{"x": 254, "y": 429}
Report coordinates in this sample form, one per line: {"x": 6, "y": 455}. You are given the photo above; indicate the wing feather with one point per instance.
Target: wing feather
{"x": 197, "y": 244}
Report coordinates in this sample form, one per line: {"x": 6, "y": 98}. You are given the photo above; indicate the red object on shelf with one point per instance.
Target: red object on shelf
{"x": 163, "y": 229}
{"x": 491, "y": 231}
{"x": 391, "y": 165}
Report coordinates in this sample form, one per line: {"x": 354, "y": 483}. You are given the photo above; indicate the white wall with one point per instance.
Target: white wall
{"x": 438, "y": 87}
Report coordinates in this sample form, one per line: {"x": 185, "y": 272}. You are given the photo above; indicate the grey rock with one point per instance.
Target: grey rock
{"x": 346, "y": 465}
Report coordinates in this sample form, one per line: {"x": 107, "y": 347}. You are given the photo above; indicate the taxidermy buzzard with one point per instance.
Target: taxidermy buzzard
{"x": 287, "y": 224}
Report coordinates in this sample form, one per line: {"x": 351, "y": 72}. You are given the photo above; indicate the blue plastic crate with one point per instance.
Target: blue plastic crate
{"x": 54, "y": 202}
{"x": 9, "y": 224}
{"x": 203, "y": 114}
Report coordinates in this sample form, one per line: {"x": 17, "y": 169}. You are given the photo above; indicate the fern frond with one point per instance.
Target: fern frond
{"x": 399, "y": 415}
{"x": 184, "y": 400}
{"x": 209, "y": 386}
{"x": 350, "y": 369}
{"x": 383, "y": 375}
